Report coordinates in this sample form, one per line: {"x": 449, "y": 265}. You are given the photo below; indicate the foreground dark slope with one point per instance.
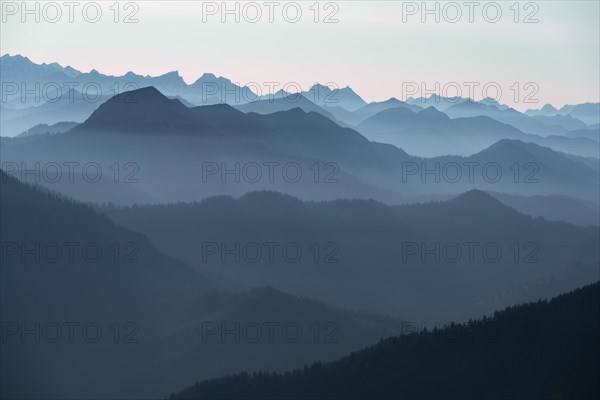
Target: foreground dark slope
{"x": 152, "y": 310}
{"x": 371, "y": 255}
{"x": 122, "y": 279}
{"x": 222, "y": 333}
{"x": 540, "y": 350}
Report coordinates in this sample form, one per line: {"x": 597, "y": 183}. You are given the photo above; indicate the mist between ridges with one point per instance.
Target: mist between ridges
{"x": 269, "y": 252}
{"x": 69, "y": 332}
{"x": 403, "y": 253}
{"x": 327, "y": 172}
{"x": 269, "y": 332}
{"x": 257, "y": 332}
{"x": 406, "y": 253}
{"x": 212, "y": 90}
{"x": 78, "y": 253}
{"x": 526, "y": 172}
{"x": 274, "y": 172}
{"x": 469, "y": 252}
{"x": 98, "y": 92}
{"x": 127, "y": 172}
{"x": 72, "y": 171}
{"x": 210, "y": 332}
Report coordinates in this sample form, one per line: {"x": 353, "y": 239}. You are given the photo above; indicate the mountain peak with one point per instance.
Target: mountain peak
{"x": 18, "y": 57}
{"x": 171, "y": 74}
{"x": 475, "y": 195}
{"x": 172, "y": 78}
{"x": 549, "y": 107}
{"x": 294, "y": 111}
{"x": 148, "y": 92}
{"x": 318, "y": 86}
{"x": 432, "y": 112}
{"x": 210, "y": 77}
{"x": 144, "y": 109}
{"x": 481, "y": 202}
{"x": 207, "y": 76}
{"x": 516, "y": 149}
{"x": 506, "y": 143}
{"x": 348, "y": 90}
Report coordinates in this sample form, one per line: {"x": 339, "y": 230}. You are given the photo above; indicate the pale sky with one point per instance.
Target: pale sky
{"x": 369, "y": 48}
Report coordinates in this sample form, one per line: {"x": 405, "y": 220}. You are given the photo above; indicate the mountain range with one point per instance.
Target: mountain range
{"x": 432, "y": 133}
{"x": 364, "y": 250}
{"x": 342, "y": 105}
{"x": 146, "y": 128}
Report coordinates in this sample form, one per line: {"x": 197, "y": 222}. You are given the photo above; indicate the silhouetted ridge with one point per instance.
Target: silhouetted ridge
{"x": 148, "y": 110}
{"x": 140, "y": 110}
{"x": 476, "y": 206}
{"x": 148, "y": 95}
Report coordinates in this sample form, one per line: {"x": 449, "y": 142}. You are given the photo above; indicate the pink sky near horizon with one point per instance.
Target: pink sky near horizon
{"x": 369, "y": 49}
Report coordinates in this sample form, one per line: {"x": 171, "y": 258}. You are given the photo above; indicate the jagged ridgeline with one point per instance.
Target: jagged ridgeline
{"x": 178, "y": 153}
